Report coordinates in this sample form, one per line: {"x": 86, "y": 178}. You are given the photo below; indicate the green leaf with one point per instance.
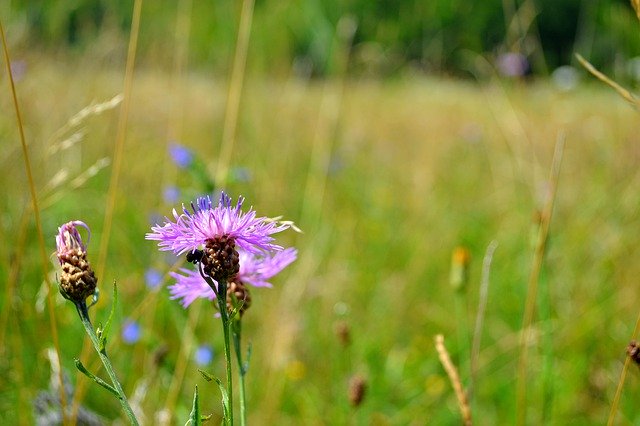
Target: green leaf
{"x": 225, "y": 397}
{"x": 95, "y": 378}
{"x": 245, "y": 366}
{"x": 194, "y": 418}
{"x": 105, "y": 331}
{"x": 199, "y": 172}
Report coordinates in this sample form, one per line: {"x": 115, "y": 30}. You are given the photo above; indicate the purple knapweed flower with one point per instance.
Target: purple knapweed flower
{"x": 193, "y": 230}
{"x": 181, "y": 155}
{"x": 255, "y": 270}
{"x": 77, "y": 279}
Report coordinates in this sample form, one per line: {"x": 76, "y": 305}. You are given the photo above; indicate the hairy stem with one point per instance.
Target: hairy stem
{"x": 102, "y": 352}
{"x": 237, "y": 335}
{"x": 226, "y": 325}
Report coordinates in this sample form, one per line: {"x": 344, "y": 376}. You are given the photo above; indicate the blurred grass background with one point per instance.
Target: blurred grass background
{"x": 387, "y": 163}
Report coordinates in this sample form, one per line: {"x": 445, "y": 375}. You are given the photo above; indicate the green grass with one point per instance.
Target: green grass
{"x": 416, "y": 168}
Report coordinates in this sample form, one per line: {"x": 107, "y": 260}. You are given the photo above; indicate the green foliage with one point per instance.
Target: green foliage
{"x": 435, "y": 36}
{"x": 414, "y": 168}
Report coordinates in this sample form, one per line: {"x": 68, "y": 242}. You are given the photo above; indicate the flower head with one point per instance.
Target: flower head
{"x": 217, "y": 230}
{"x": 254, "y": 270}
{"x": 77, "y": 280}
{"x": 191, "y": 230}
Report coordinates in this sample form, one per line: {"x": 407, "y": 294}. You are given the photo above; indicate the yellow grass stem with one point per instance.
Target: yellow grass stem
{"x": 313, "y": 199}
{"x": 532, "y": 287}
{"x": 627, "y": 95}
{"x": 115, "y": 175}
{"x": 36, "y": 210}
{"x": 623, "y": 375}
{"x": 452, "y": 372}
{"x": 235, "y": 93}
{"x": 119, "y": 141}
{"x": 482, "y": 306}
{"x": 12, "y": 279}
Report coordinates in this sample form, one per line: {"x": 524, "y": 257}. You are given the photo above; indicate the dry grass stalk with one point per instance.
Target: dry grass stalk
{"x": 636, "y": 7}
{"x": 452, "y": 372}
{"x": 118, "y": 156}
{"x": 623, "y": 376}
{"x": 38, "y": 222}
{"x": 627, "y": 95}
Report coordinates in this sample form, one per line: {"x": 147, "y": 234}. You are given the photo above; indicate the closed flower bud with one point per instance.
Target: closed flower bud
{"x": 77, "y": 280}
{"x": 357, "y": 390}
{"x": 460, "y": 268}
{"x": 238, "y": 297}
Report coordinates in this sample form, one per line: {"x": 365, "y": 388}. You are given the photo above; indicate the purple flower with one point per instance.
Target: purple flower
{"x": 203, "y": 355}
{"x": 512, "y": 64}
{"x": 77, "y": 279}
{"x": 205, "y": 222}
{"x": 254, "y": 270}
{"x": 131, "y": 332}
{"x": 69, "y": 241}
{"x": 181, "y": 155}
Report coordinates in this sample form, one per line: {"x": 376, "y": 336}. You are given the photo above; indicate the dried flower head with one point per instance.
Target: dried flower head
{"x": 633, "y": 350}
{"x": 77, "y": 280}
{"x": 357, "y": 390}
{"x": 255, "y": 270}
{"x": 343, "y": 332}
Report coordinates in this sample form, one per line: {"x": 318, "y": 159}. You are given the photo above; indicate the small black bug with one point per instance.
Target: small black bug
{"x": 195, "y": 256}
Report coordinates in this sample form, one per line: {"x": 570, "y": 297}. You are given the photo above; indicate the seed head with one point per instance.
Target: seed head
{"x": 633, "y": 350}
{"x": 357, "y": 390}
{"x": 220, "y": 260}
{"x": 238, "y": 296}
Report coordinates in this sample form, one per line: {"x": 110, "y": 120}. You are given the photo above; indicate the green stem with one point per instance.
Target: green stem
{"x": 102, "y": 352}
{"x": 237, "y": 334}
{"x": 226, "y": 325}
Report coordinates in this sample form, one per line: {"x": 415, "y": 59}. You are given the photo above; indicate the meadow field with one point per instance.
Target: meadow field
{"x": 387, "y": 179}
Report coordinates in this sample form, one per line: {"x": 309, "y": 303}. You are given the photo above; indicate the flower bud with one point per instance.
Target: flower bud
{"x": 460, "y": 268}
{"x": 77, "y": 280}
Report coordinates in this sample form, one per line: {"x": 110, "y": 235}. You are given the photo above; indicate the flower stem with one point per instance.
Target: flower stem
{"x": 237, "y": 334}
{"x": 226, "y": 325}
{"x": 102, "y": 352}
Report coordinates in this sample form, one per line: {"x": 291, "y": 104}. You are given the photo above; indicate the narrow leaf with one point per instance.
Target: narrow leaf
{"x": 245, "y": 366}
{"x": 105, "y": 331}
{"x": 95, "y": 378}
{"x": 194, "y": 418}
{"x": 225, "y": 397}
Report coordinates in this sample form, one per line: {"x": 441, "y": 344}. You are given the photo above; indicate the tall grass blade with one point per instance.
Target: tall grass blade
{"x": 36, "y": 210}
{"x": 532, "y": 287}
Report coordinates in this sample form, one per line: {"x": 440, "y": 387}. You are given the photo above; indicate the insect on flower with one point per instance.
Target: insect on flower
{"x": 195, "y": 256}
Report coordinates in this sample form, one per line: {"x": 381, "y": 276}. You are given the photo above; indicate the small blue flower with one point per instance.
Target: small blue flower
{"x": 241, "y": 174}
{"x": 203, "y": 355}
{"x": 181, "y": 155}
{"x": 171, "y": 194}
{"x": 131, "y": 332}
{"x": 153, "y": 278}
